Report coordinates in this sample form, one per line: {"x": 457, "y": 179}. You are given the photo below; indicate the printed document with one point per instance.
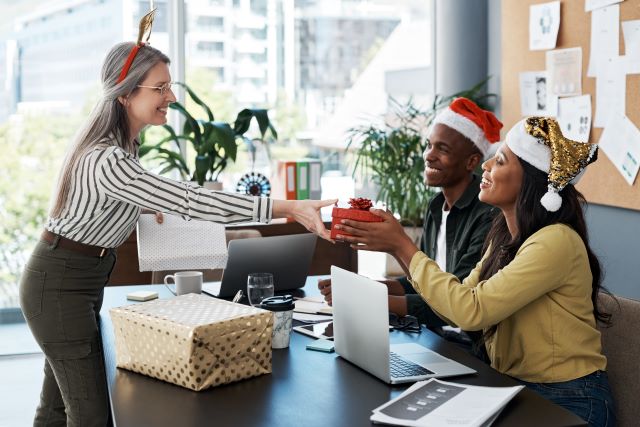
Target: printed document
{"x": 620, "y": 140}
{"x": 631, "y": 33}
{"x": 544, "y": 22}
{"x": 605, "y": 32}
{"x": 564, "y": 71}
{"x": 436, "y": 403}
{"x": 574, "y": 117}
{"x": 590, "y": 5}
{"x": 611, "y": 91}
{"x": 535, "y": 97}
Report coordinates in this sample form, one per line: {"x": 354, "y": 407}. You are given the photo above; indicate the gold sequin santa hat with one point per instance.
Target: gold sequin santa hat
{"x": 539, "y": 142}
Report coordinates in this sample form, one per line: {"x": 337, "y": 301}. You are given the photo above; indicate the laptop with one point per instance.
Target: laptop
{"x": 288, "y": 258}
{"x": 361, "y": 334}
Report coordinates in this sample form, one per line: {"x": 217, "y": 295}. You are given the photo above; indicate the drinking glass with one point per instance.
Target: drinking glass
{"x": 259, "y": 287}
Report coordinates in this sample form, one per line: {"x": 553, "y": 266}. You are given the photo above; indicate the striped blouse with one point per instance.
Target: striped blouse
{"x": 109, "y": 188}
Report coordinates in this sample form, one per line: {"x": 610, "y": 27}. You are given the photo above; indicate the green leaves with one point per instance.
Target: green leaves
{"x": 172, "y": 161}
{"x": 243, "y": 121}
{"x": 391, "y": 154}
{"x": 219, "y": 143}
{"x": 191, "y": 125}
{"x": 202, "y": 166}
{"x": 197, "y": 100}
{"x": 392, "y": 157}
{"x": 226, "y": 139}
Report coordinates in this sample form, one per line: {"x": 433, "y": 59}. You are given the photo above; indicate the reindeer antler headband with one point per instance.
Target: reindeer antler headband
{"x": 146, "y": 23}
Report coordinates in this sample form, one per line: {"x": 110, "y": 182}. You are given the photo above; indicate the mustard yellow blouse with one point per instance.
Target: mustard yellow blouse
{"x": 540, "y": 302}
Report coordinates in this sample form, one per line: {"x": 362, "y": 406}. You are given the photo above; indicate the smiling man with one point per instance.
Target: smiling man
{"x": 456, "y": 222}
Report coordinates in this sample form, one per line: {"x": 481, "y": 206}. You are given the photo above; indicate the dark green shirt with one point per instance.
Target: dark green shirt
{"x": 468, "y": 223}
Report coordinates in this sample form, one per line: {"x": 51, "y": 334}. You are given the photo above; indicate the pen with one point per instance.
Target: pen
{"x": 238, "y": 296}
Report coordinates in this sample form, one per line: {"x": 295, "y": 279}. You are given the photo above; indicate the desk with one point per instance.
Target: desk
{"x": 306, "y": 388}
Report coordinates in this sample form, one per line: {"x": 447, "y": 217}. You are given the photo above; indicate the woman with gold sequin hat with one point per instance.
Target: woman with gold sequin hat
{"x": 534, "y": 294}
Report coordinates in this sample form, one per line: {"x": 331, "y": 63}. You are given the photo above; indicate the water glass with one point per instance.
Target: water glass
{"x": 259, "y": 287}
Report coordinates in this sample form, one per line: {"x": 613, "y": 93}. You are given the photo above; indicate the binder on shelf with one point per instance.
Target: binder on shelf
{"x": 287, "y": 179}
{"x": 315, "y": 173}
{"x": 299, "y": 179}
{"x": 302, "y": 179}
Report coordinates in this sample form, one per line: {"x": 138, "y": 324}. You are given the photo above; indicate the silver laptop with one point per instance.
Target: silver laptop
{"x": 361, "y": 334}
{"x": 288, "y": 258}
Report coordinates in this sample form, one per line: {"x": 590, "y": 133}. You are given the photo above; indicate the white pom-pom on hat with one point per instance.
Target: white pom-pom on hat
{"x": 552, "y": 200}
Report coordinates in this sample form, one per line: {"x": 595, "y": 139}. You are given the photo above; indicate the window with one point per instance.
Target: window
{"x": 210, "y": 23}
{"x": 319, "y": 67}
{"x": 50, "y": 59}
{"x": 259, "y": 6}
{"x": 211, "y": 49}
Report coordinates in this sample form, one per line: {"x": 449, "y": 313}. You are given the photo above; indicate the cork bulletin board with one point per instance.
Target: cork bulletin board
{"x": 602, "y": 183}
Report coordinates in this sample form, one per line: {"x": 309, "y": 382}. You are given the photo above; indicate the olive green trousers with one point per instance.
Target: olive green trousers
{"x": 61, "y": 294}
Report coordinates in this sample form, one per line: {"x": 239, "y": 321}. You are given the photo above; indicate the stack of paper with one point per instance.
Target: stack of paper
{"x": 437, "y": 403}
{"x": 312, "y": 310}
{"x": 312, "y": 305}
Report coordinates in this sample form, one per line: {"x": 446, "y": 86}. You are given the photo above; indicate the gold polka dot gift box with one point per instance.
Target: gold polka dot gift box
{"x": 193, "y": 341}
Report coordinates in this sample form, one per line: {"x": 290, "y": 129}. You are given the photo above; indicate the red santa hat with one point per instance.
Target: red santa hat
{"x": 482, "y": 127}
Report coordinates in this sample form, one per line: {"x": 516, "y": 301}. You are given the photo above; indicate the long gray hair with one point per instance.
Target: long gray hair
{"x": 108, "y": 122}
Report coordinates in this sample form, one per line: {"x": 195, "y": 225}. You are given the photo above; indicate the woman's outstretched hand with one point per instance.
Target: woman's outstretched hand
{"x": 306, "y": 212}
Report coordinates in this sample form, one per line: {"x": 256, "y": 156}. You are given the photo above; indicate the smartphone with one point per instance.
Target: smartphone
{"x": 317, "y": 330}
{"x": 321, "y": 345}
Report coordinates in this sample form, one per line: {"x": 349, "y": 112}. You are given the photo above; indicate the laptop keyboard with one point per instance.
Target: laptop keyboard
{"x": 401, "y": 367}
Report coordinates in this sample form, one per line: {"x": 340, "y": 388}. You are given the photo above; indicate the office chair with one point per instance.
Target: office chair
{"x": 621, "y": 345}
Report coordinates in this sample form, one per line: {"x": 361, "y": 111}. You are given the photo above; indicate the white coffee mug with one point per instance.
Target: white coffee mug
{"x": 187, "y": 282}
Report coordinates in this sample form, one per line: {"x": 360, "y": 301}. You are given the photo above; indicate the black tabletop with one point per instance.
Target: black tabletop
{"x": 306, "y": 388}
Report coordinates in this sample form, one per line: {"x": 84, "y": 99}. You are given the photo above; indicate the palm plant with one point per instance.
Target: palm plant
{"x": 392, "y": 154}
{"x": 214, "y": 142}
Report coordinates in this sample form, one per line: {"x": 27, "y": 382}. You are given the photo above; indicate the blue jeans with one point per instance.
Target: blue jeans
{"x": 588, "y": 397}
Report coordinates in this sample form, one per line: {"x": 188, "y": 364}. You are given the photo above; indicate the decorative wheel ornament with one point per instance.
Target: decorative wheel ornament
{"x": 254, "y": 184}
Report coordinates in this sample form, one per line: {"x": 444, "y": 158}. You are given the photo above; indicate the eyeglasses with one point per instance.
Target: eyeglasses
{"x": 162, "y": 90}
{"x": 406, "y": 323}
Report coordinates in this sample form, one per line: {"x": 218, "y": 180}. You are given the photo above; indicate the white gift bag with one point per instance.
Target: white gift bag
{"x": 178, "y": 244}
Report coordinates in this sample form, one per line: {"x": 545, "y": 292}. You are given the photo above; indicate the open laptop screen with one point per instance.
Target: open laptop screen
{"x": 288, "y": 258}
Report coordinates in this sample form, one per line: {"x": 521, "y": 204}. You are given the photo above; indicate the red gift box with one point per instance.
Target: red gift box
{"x": 359, "y": 211}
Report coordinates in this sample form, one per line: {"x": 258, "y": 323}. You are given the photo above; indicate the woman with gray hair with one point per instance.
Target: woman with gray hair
{"x": 101, "y": 191}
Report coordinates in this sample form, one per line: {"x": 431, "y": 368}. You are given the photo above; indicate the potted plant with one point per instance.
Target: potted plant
{"x": 214, "y": 142}
{"x": 391, "y": 156}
